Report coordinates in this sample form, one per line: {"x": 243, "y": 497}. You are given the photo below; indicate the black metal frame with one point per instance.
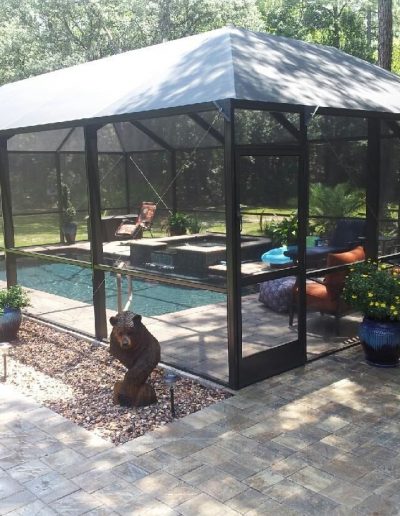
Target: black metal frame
{"x": 242, "y": 371}
{"x": 291, "y": 354}
{"x": 95, "y": 234}
{"x": 11, "y": 265}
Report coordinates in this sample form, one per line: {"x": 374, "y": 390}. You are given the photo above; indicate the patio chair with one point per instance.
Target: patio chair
{"x": 347, "y": 234}
{"x": 134, "y": 229}
{"x": 325, "y": 296}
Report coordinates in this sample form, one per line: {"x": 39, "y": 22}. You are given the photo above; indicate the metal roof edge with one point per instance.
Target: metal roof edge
{"x": 104, "y": 120}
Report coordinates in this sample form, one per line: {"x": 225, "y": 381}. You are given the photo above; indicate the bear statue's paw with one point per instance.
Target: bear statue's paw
{"x": 129, "y": 395}
{"x": 116, "y": 392}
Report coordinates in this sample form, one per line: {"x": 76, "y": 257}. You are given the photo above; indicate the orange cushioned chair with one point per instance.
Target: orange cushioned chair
{"x": 325, "y": 295}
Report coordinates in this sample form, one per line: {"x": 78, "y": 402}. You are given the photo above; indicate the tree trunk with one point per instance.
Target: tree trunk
{"x": 385, "y": 34}
{"x": 369, "y": 26}
{"x": 336, "y": 26}
{"x": 165, "y": 20}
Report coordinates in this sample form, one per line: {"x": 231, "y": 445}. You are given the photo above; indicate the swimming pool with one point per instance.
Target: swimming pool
{"x": 149, "y": 298}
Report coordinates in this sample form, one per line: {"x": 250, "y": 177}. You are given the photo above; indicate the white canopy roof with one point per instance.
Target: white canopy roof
{"x": 216, "y": 65}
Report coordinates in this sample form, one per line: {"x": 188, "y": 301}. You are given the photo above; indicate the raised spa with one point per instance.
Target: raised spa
{"x": 192, "y": 254}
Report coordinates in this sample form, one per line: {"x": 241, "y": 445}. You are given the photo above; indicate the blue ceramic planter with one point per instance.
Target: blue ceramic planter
{"x": 381, "y": 342}
{"x": 10, "y": 323}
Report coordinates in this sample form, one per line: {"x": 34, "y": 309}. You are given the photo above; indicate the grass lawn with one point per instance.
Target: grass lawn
{"x": 42, "y": 229}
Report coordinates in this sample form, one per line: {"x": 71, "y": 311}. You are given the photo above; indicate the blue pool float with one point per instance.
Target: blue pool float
{"x": 276, "y": 256}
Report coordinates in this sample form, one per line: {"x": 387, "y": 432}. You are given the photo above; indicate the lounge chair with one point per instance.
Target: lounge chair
{"x": 134, "y": 229}
{"x": 347, "y": 234}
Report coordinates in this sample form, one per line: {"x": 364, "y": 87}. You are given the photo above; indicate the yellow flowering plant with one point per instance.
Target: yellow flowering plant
{"x": 374, "y": 289}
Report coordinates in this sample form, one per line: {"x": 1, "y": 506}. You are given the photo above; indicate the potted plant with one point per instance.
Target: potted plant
{"x": 177, "y": 224}
{"x": 68, "y": 213}
{"x": 374, "y": 290}
{"x": 282, "y": 232}
{"x": 12, "y": 299}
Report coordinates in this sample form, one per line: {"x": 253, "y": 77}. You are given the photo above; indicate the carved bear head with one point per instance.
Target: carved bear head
{"x": 125, "y": 328}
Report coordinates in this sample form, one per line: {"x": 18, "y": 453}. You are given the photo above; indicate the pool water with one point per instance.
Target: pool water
{"x": 149, "y": 298}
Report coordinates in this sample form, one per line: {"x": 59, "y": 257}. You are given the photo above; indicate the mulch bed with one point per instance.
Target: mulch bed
{"x": 47, "y": 364}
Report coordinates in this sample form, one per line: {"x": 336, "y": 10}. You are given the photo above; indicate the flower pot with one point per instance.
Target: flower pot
{"x": 177, "y": 231}
{"x": 69, "y": 229}
{"x": 381, "y": 342}
{"x": 10, "y": 323}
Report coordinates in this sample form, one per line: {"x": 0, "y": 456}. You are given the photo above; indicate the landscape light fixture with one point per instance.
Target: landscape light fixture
{"x": 170, "y": 379}
{"x": 4, "y": 347}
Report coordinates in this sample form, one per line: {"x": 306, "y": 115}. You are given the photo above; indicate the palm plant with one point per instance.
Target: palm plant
{"x": 341, "y": 200}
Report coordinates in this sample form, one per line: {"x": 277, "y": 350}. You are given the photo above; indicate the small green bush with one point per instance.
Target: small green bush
{"x": 194, "y": 225}
{"x": 282, "y": 232}
{"x": 177, "y": 223}
{"x": 13, "y": 297}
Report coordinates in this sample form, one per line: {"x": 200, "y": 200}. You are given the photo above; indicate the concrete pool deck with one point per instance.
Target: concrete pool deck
{"x": 321, "y": 439}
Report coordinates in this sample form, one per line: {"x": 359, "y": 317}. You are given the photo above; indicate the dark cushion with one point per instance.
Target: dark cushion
{"x": 348, "y": 232}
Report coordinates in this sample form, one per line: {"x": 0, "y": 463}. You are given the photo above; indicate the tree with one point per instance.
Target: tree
{"x": 339, "y": 23}
{"x": 37, "y": 36}
{"x": 385, "y": 34}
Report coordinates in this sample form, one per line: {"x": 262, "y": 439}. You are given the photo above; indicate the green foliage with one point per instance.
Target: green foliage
{"x": 396, "y": 56}
{"x": 341, "y": 200}
{"x": 37, "y": 36}
{"x": 194, "y": 224}
{"x": 67, "y": 209}
{"x": 177, "y": 223}
{"x": 342, "y": 24}
{"x": 13, "y": 297}
{"x": 374, "y": 290}
{"x": 282, "y": 232}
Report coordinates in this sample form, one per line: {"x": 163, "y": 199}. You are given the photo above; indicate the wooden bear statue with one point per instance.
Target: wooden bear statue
{"x": 133, "y": 345}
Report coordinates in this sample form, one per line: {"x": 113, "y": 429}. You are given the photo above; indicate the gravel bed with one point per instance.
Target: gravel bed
{"x": 75, "y": 378}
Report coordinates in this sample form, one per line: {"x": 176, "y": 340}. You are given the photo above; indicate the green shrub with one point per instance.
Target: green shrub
{"x": 177, "y": 223}
{"x": 282, "y": 232}
{"x": 13, "y": 297}
{"x": 194, "y": 225}
{"x": 341, "y": 200}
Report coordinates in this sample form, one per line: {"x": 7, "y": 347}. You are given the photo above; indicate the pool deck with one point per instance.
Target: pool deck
{"x": 321, "y": 439}
{"x": 195, "y": 339}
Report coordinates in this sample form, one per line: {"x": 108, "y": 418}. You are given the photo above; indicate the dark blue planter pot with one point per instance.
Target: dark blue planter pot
{"x": 380, "y": 342}
{"x": 10, "y": 323}
{"x": 69, "y": 230}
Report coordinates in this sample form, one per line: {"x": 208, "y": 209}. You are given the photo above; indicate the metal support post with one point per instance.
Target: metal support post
{"x": 59, "y": 194}
{"x": 373, "y": 188}
{"x": 232, "y": 213}
{"x": 303, "y": 210}
{"x": 8, "y": 224}
{"x": 172, "y": 168}
{"x": 95, "y": 235}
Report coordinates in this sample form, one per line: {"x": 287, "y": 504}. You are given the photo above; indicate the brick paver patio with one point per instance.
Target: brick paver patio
{"x": 322, "y": 439}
